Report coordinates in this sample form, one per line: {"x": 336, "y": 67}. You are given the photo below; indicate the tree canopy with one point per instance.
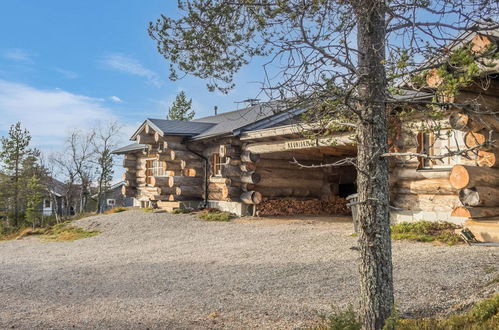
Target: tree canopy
{"x": 181, "y": 108}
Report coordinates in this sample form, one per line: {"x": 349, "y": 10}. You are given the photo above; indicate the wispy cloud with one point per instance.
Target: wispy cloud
{"x": 49, "y": 114}
{"x": 115, "y": 99}
{"x": 17, "y": 54}
{"x": 127, "y": 64}
{"x": 67, "y": 73}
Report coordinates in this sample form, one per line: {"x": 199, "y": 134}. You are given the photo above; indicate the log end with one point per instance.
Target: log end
{"x": 459, "y": 177}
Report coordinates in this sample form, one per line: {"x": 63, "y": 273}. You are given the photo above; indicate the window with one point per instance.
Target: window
{"x": 216, "y": 164}
{"x": 438, "y": 143}
{"x": 47, "y": 203}
{"x": 154, "y": 168}
{"x": 111, "y": 202}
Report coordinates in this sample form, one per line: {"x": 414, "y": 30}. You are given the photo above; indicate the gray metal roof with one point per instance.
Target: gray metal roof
{"x": 178, "y": 127}
{"x": 234, "y": 121}
{"x": 128, "y": 148}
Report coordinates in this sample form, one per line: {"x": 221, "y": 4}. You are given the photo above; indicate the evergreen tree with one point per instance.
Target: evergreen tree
{"x": 34, "y": 196}
{"x": 16, "y": 155}
{"x": 181, "y": 108}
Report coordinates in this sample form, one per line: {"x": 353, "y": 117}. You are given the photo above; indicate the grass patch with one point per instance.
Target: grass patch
{"x": 215, "y": 215}
{"x": 182, "y": 211}
{"x": 147, "y": 209}
{"x": 426, "y": 231}
{"x": 65, "y": 232}
{"x": 483, "y": 315}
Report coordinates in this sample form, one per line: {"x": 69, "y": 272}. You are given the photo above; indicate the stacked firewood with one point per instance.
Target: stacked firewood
{"x": 291, "y": 206}
{"x": 478, "y": 184}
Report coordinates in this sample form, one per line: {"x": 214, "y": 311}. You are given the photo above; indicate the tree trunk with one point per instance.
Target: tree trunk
{"x": 376, "y": 276}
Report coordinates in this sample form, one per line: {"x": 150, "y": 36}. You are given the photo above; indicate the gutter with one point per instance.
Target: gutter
{"x": 205, "y": 202}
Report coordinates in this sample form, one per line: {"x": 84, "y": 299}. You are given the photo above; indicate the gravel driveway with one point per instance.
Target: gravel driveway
{"x": 174, "y": 271}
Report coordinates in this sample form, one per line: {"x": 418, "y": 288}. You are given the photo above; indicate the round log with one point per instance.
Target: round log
{"x": 412, "y": 173}
{"x": 231, "y": 192}
{"x": 304, "y": 182}
{"x": 475, "y": 212}
{"x": 463, "y": 176}
{"x": 158, "y": 181}
{"x": 160, "y": 197}
{"x": 458, "y": 120}
{"x": 128, "y": 191}
{"x": 247, "y": 167}
{"x": 192, "y": 171}
{"x": 426, "y": 186}
{"x": 191, "y": 163}
{"x": 145, "y": 139}
{"x": 277, "y": 163}
{"x": 174, "y": 145}
{"x": 195, "y": 191}
{"x": 157, "y": 137}
{"x": 487, "y": 159}
{"x": 250, "y": 177}
{"x": 251, "y": 197}
{"x": 230, "y": 170}
{"x": 128, "y": 176}
{"x": 234, "y": 161}
{"x": 215, "y": 195}
{"x": 180, "y": 154}
{"x": 291, "y": 174}
{"x": 249, "y": 157}
{"x": 129, "y": 163}
{"x": 479, "y": 196}
{"x": 163, "y": 157}
{"x": 426, "y": 202}
{"x": 173, "y": 166}
{"x": 472, "y": 139}
{"x": 247, "y": 186}
{"x": 174, "y": 181}
{"x": 174, "y": 173}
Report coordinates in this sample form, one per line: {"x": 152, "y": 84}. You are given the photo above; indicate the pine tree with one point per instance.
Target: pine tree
{"x": 181, "y": 108}
{"x": 15, "y": 154}
{"x": 34, "y": 196}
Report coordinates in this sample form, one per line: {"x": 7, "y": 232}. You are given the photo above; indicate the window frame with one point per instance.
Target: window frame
{"x": 216, "y": 164}
{"x": 431, "y": 143}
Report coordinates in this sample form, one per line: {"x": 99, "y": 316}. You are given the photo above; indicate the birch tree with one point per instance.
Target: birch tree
{"x": 328, "y": 55}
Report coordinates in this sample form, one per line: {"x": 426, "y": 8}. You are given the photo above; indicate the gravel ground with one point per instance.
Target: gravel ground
{"x": 174, "y": 271}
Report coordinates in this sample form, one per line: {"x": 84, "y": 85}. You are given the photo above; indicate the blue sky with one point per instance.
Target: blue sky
{"x": 66, "y": 64}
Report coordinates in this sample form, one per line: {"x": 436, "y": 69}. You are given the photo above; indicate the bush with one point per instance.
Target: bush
{"x": 182, "y": 211}
{"x": 340, "y": 320}
{"x": 215, "y": 215}
{"x": 483, "y": 315}
{"x": 426, "y": 231}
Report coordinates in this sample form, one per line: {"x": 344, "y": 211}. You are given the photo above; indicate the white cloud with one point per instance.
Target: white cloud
{"x": 49, "y": 114}
{"x": 17, "y": 54}
{"x": 115, "y": 99}
{"x": 127, "y": 64}
{"x": 67, "y": 73}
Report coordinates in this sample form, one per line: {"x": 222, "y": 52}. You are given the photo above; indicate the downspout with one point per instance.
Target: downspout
{"x": 205, "y": 202}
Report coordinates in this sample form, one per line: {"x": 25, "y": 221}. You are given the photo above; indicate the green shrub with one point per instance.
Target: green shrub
{"x": 182, "y": 211}
{"x": 340, "y": 320}
{"x": 484, "y": 315}
{"x": 426, "y": 231}
{"x": 216, "y": 216}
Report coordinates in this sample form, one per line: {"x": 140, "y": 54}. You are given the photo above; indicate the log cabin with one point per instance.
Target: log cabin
{"x": 243, "y": 161}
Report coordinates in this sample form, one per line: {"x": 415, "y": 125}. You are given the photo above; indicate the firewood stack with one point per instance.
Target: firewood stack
{"x": 292, "y": 206}
{"x": 478, "y": 185}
